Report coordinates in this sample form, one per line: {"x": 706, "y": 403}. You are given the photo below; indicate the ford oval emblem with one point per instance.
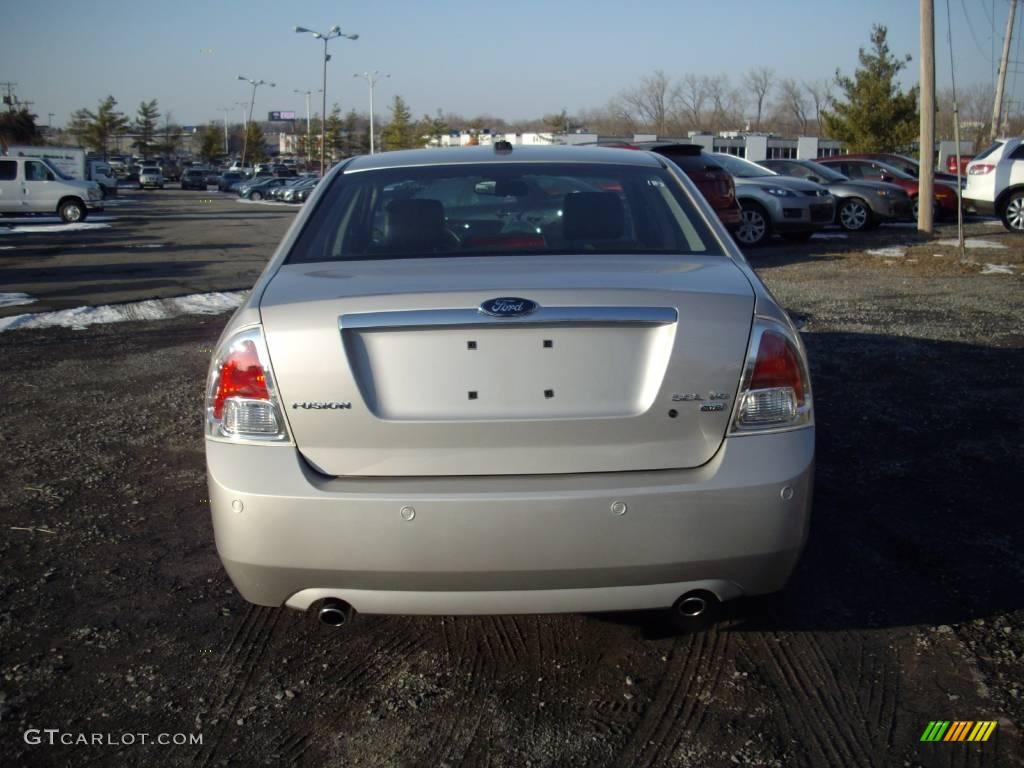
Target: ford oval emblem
{"x": 508, "y": 306}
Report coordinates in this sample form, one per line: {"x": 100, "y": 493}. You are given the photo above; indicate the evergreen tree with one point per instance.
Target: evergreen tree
{"x": 211, "y": 142}
{"x": 255, "y": 151}
{"x": 145, "y": 125}
{"x": 401, "y": 132}
{"x": 96, "y": 129}
{"x": 356, "y": 133}
{"x": 19, "y": 128}
{"x": 333, "y": 130}
{"x": 876, "y": 116}
{"x": 434, "y": 127}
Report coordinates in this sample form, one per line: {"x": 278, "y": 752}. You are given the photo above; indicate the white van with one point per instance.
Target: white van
{"x": 31, "y": 185}
{"x": 73, "y": 163}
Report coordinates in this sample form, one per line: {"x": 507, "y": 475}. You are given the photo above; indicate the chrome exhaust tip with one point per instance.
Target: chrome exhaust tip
{"x": 695, "y": 610}
{"x": 692, "y": 607}
{"x": 335, "y": 613}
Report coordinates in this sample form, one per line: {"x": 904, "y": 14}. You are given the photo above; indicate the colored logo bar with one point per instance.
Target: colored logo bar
{"x": 958, "y": 730}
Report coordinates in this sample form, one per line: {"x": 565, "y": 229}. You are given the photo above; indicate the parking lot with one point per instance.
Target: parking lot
{"x": 117, "y": 616}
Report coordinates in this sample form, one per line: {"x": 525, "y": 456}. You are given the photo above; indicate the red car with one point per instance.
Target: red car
{"x": 946, "y": 200}
{"x": 713, "y": 181}
{"x": 951, "y": 164}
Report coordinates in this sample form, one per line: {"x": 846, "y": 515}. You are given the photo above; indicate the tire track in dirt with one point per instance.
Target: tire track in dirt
{"x": 474, "y": 670}
{"x": 804, "y": 685}
{"x": 694, "y": 671}
{"x": 239, "y": 663}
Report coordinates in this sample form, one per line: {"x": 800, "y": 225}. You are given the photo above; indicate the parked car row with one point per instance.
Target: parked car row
{"x": 796, "y": 198}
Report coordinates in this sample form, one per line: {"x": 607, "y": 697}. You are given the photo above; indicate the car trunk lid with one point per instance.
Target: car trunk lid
{"x": 390, "y": 368}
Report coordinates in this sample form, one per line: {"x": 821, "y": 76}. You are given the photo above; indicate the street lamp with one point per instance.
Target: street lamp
{"x": 255, "y": 84}
{"x": 332, "y": 33}
{"x": 371, "y": 78}
{"x": 226, "y": 110}
{"x": 308, "y": 131}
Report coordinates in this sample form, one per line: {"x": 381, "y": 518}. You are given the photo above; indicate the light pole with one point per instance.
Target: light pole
{"x": 308, "y": 130}
{"x": 371, "y": 78}
{"x": 225, "y": 110}
{"x": 332, "y": 33}
{"x": 255, "y": 84}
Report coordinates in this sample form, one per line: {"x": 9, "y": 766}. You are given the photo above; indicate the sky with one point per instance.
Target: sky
{"x": 516, "y": 59}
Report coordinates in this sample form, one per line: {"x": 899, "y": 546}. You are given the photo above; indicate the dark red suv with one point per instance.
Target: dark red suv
{"x": 713, "y": 181}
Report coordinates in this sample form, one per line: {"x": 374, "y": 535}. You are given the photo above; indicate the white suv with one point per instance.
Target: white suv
{"x": 995, "y": 183}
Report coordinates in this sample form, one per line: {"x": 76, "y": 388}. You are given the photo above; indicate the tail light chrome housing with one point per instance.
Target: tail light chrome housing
{"x": 242, "y": 404}
{"x": 775, "y": 391}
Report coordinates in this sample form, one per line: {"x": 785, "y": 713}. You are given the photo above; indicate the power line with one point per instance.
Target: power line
{"x": 970, "y": 27}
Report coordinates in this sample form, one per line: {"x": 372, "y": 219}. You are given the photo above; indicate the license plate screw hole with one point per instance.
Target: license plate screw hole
{"x": 470, "y": 345}
{"x": 472, "y": 394}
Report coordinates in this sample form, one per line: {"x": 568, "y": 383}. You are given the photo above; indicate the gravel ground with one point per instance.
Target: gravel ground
{"x": 116, "y": 617}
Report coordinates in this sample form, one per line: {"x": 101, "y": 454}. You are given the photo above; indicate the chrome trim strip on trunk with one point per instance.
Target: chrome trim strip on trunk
{"x": 432, "y": 318}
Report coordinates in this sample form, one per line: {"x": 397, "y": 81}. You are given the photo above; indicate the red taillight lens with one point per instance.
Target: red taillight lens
{"x": 777, "y": 366}
{"x": 241, "y": 375}
{"x": 980, "y": 169}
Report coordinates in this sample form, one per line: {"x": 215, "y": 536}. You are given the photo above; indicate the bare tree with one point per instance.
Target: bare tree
{"x": 793, "y": 104}
{"x": 651, "y": 102}
{"x": 694, "y": 92}
{"x": 820, "y": 92}
{"x": 759, "y": 83}
{"x": 726, "y": 103}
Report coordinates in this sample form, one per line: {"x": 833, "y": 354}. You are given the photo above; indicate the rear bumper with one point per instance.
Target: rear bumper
{"x": 980, "y": 207}
{"x": 530, "y": 544}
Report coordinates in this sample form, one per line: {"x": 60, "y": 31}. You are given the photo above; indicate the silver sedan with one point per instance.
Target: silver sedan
{"x": 508, "y": 380}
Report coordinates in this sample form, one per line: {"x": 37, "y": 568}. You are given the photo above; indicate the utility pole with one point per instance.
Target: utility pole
{"x": 9, "y": 98}
{"x": 926, "y": 177}
{"x": 997, "y": 109}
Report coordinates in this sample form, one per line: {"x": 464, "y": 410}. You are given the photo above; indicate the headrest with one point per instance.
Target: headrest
{"x": 414, "y": 223}
{"x": 593, "y": 216}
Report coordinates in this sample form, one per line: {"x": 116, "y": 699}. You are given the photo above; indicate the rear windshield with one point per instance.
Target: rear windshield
{"x": 506, "y": 208}
{"x": 988, "y": 150}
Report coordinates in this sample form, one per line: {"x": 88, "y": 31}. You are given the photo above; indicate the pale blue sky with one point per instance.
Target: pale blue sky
{"x": 511, "y": 59}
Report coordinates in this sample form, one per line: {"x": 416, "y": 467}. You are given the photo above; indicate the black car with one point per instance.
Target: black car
{"x": 193, "y": 178}
{"x": 229, "y": 180}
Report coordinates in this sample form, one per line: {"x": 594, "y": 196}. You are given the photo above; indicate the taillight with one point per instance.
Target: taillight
{"x": 241, "y": 402}
{"x": 980, "y": 169}
{"x": 775, "y": 392}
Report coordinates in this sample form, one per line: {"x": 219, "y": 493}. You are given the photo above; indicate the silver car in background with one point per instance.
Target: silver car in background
{"x": 529, "y": 380}
{"x": 794, "y": 208}
{"x": 150, "y": 177}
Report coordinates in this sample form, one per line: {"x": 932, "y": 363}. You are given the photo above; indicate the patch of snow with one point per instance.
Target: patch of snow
{"x": 889, "y": 252}
{"x": 997, "y": 269}
{"x": 15, "y": 299}
{"x": 264, "y": 202}
{"x": 994, "y": 223}
{"x": 828, "y": 236}
{"x": 149, "y": 245}
{"x": 56, "y": 228}
{"x": 973, "y": 242}
{"x": 152, "y": 309}
{"x": 6, "y": 247}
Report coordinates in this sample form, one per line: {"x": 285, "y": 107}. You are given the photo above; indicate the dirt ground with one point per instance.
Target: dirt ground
{"x": 908, "y": 607}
